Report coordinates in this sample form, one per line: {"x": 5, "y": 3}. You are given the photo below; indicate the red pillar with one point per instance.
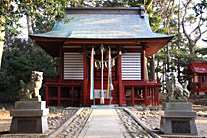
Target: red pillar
{"x": 132, "y": 95}
{"x": 84, "y": 77}
{"x": 157, "y": 95}
{"x": 145, "y": 95}
{"x": 143, "y": 64}
{"x": 150, "y": 95}
{"x": 72, "y": 93}
{"x": 61, "y": 64}
{"x": 46, "y": 97}
{"x": 58, "y": 98}
{"x": 120, "y": 81}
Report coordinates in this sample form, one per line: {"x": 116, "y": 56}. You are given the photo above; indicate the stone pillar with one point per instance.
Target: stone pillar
{"x": 178, "y": 118}
{"x": 29, "y": 117}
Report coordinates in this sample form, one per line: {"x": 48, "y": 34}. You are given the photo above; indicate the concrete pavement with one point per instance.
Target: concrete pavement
{"x": 104, "y": 123}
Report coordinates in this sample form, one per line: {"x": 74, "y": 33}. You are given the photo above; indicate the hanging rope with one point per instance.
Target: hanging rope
{"x": 96, "y": 60}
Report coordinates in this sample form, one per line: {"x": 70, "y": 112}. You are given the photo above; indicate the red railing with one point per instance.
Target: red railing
{"x": 48, "y": 80}
{"x": 153, "y": 81}
{"x": 197, "y": 87}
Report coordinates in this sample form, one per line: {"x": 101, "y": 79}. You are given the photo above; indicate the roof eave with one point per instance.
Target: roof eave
{"x": 48, "y": 43}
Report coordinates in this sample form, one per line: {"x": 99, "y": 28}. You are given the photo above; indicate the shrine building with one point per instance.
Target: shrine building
{"x": 102, "y": 57}
{"x": 197, "y": 71}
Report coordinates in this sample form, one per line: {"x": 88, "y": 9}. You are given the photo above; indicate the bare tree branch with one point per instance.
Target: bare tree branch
{"x": 204, "y": 32}
{"x": 196, "y": 28}
{"x": 199, "y": 29}
{"x": 183, "y": 19}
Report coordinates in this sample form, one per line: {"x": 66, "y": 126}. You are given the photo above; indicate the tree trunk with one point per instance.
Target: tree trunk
{"x": 2, "y": 35}
{"x": 191, "y": 47}
{"x": 29, "y": 24}
{"x": 168, "y": 58}
{"x": 29, "y": 27}
{"x": 163, "y": 78}
{"x": 179, "y": 39}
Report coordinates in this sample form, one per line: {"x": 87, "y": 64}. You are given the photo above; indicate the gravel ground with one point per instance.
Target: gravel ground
{"x": 74, "y": 129}
{"x": 134, "y": 129}
{"x": 5, "y": 121}
{"x": 58, "y": 115}
{"x": 150, "y": 116}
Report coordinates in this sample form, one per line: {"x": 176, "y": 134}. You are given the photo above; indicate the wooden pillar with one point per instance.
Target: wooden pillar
{"x": 61, "y": 64}
{"x": 154, "y": 95}
{"x": 143, "y": 65}
{"x": 120, "y": 81}
{"x": 84, "y": 76}
{"x": 46, "y": 96}
{"x": 72, "y": 93}
{"x": 145, "y": 96}
{"x": 61, "y": 74}
{"x": 149, "y": 94}
{"x": 58, "y": 98}
{"x": 132, "y": 95}
{"x": 157, "y": 95}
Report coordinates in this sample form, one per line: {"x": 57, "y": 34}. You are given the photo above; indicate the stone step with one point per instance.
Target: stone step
{"x": 103, "y": 106}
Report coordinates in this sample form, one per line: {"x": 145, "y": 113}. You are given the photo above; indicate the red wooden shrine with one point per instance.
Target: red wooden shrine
{"x": 197, "y": 71}
{"x": 126, "y": 31}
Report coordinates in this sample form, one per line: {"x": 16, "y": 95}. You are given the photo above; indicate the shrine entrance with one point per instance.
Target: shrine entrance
{"x": 101, "y": 75}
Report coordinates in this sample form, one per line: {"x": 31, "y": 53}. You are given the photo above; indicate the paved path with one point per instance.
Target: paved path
{"x": 104, "y": 123}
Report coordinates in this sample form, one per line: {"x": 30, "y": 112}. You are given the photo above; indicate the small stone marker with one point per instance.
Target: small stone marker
{"x": 178, "y": 118}
{"x": 30, "y": 113}
{"x": 29, "y": 117}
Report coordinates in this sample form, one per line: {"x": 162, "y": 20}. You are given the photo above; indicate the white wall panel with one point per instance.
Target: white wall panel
{"x": 73, "y": 66}
{"x": 131, "y": 66}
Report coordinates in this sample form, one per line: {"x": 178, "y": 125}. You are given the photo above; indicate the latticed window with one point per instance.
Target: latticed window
{"x": 73, "y": 66}
{"x": 131, "y": 66}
